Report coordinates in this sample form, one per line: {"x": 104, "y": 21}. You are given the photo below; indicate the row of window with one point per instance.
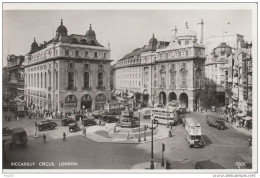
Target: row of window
{"x": 39, "y": 80}
{"x": 86, "y": 80}
{"x": 76, "y": 53}
{"x": 85, "y": 54}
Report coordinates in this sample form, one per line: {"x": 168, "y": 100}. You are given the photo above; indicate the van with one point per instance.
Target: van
{"x": 215, "y": 122}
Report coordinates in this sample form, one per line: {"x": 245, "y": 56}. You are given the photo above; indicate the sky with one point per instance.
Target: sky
{"x": 125, "y": 30}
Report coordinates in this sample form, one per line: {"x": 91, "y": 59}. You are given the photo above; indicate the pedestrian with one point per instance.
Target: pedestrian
{"x": 64, "y": 136}
{"x": 44, "y": 137}
{"x": 99, "y": 121}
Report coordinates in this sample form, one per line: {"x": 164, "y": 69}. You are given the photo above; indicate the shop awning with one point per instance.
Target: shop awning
{"x": 247, "y": 118}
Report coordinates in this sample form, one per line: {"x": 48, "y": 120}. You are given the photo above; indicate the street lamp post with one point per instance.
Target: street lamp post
{"x": 152, "y": 128}
{"x": 139, "y": 137}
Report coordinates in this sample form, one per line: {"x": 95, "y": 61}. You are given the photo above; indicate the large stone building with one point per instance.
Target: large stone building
{"x": 233, "y": 40}
{"x": 69, "y": 72}
{"x": 216, "y": 67}
{"x": 161, "y": 72}
{"x": 15, "y": 86}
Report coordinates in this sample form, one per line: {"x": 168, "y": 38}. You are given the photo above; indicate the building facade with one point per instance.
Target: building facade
{"x": 161, "y": 73}
{"x": 240, "y": 81}
{"x": 233, "y": 40}
{"x": 69, "y": 72}
{"x": 15, "y": 86}
{"x": 216, "y": 68}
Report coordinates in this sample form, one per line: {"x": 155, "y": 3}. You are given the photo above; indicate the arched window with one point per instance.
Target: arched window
{"x": 86, "y": 53}
{"x": 184, "y": 78}
{"x": 173, "y": 79}
{"x": 57, "y": 80}
{"x": 100, "y": 79}
{"x": 34, "y": 80}
{"x": 41, "y": 81}
{"x": 179, "y": 54}
{"x": 77, "y": 53}
{"x": 70, "y": 80}
{"x": 38, "y": 80}
{"x": 49, "y": 79}
{"x": 163, "y": 83}
{"x": 45, "y": 80}
{"x": 86, "y": 80}
{"x": 29, "y": 84}
{"x": 95, "y": 54}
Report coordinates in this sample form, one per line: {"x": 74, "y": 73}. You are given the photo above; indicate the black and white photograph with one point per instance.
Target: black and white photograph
{"x": 129, "y": 87}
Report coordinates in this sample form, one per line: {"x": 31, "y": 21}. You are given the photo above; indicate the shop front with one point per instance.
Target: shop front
{"x": 70, "y": 103}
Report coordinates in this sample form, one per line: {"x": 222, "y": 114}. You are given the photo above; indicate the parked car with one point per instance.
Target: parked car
{"x": 216, "y": 122}
{"x": 109, "y": 118}
{"x": 47, "y": 125}
{"x": 88, "y": 121}
{"x": 7, "y": 131}
{"x": 66, "y": 121}
{"x": 73, "y": 127}
{"x": 128, "y": 122}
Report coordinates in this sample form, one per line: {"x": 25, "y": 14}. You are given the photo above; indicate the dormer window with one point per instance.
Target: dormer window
{"x": 77, "y": 53}
{"x": 95, "y": 54}
{"x": 105, "y": 55}
{"x": 186, "y": 42}
{"x": 86, "y": 53}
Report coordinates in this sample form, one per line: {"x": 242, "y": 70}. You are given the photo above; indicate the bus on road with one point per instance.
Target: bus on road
{"x": 193, "y": 132}
{"x": 115, "y": 107}
{"x": 163, "y": 116}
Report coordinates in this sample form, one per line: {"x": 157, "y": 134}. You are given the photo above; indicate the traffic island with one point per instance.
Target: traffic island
{"x": 114, "y": 134}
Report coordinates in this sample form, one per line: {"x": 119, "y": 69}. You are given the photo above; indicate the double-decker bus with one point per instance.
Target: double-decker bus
{"x": 193, "y": 132}
{"x": 115, "y": 107}
{"x": 163, "y": 116}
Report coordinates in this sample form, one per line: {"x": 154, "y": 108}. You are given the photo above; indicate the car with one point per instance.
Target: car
{"x": 47, "y": 125}
{"x": 66, "y": 121}
{"x": 128, "y": 122}
{"x": 109, "y": 118}
{"x": 73, "y": 127}
{"x": 7, "y": 131}
{"x": 88, "y": 122}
